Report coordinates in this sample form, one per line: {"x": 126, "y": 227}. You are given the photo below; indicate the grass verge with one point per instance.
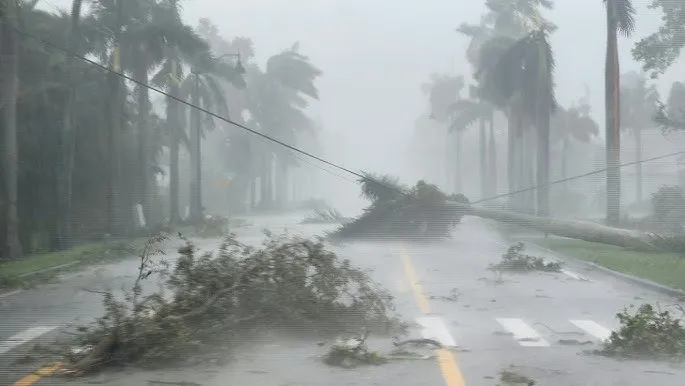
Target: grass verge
{"x": 31, "y": 269}
{"x": 663, "y": 268}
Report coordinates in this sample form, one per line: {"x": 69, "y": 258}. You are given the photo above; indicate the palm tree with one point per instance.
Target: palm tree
{"x": 276, "y": 98}
{"x": 520, "y": 74}
{"x": 675, "y": 107}
{"x": 185, "y": 47}
{"x": 506, "y": 22}
{"x": 443, "y": 92}
{"x": 62, "y": 237}
{"x": 638, "y": 108}
{"x": 572, "y": 124}
{"x": 465, "y": 112}
{"x": 620, "y": 19}
{"x": 9, "y": 88}
{"x": 203, "y": 87}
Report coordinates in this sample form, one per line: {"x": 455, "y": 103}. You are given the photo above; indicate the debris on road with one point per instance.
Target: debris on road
{"x": 288, "y": 281}
{"x": 325, "y": 216}
{"x": 648, "y": 333}
{"x": 511, "y": 378}
{"x": 422, "y": 212}
{"x": 574, "y": 342}
{"x": 452, "y": 297}
{"x": 515, "y": 260}
{"x": 352, "y": 352}
{"x": 212, "y": 226}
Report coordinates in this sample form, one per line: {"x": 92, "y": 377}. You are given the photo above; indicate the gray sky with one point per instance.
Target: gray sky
{"x": 375, "y": 55}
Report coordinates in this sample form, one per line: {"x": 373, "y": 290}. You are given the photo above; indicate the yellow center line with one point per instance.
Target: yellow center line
{"x": 451, "y": 373}
{"x": 30, "y": 379}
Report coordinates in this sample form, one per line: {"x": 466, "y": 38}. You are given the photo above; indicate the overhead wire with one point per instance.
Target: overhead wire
{"x": 182, "y": 101}
{"x": 359, "y": 175}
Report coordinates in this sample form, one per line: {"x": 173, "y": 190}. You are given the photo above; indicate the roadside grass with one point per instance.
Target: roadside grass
{"x": 42, "y": 267}
{"x": 663, "y": 268}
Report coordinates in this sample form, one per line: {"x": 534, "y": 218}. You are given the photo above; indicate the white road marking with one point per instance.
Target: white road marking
{"x": 572, "y": 275}
{"x": 23, "y": 337}
{"x": 402, "y": 286}
{"x": 593, "y": 328}
{"x": 523, "y": 333}
{"x": 435, "y": 328}
{"x": 10, "y": 293}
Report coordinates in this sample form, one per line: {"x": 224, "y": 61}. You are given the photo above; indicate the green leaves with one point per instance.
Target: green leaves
{"x": 443, "y": 92}
{"x": 638, "y": 102}
{"x": 659, "y": 51}
{"x": 647, "y": 333}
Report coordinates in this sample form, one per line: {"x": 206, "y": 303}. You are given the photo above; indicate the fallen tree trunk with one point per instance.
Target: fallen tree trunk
{"x": 575, "y": 229}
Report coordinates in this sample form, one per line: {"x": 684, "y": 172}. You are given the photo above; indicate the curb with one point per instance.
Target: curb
{"x": 662, "y": 288}
{"x": 56, "y": 267}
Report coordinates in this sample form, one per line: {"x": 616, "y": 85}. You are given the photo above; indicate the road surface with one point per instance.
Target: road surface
{"x": 540, "y": 325}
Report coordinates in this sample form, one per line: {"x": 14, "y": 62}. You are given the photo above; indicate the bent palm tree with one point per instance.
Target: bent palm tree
{"x": 521, "y": 73}
{"x": 204, "y": 90}
{"x": 277, "y": 98}
{"x": 464, "y": 113}
{"x": 571, "y": 124}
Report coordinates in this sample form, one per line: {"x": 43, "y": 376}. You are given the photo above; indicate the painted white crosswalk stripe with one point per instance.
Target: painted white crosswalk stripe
{"x": 23, "y": 337}
{"x": 434, "y": 328}
{"x": 522, "y": 332}
{"x": 593, "y": 328}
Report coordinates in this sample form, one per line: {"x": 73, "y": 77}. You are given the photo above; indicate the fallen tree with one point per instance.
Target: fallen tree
{"x": 425, "y": 212}
{"x": 421, "y": 212}
{"x": 288, "y": 281}
{"x": 576, "y": 229}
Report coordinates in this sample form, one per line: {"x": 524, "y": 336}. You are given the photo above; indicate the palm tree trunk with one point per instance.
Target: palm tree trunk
{"x": 114, "y": 108}
{"x": 174, "y": 125}
{"x": 582, "y": 230}
{"x": 483, "y": 159}
{"x": 528, "y": 159}
{"x": 449, "y": 158}
{"x": 511, "y": 152}
{"x": 492, "y": 148}
{"x": 542, "y": 178}
{"x": 9, "y": 88}
{"x": 457, "y": 162}
{"x": 638, "y": 165}
{"x": 62, "y": 238}
{"x": 253, "y": 193}
{"x": 113, "y": 130}
{"x": 265, "y": 183}
{"x": 612, "y": 127}
{"x": 143, "y": 129}
{"x": 195, "y": 155}
{"x": 564, "y": 160}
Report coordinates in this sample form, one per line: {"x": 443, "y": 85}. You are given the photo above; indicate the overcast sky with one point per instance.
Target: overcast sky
{"x": 376, "y": 53}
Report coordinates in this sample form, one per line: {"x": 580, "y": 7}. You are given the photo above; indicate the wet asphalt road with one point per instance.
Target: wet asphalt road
{"x": 539, "y": 324}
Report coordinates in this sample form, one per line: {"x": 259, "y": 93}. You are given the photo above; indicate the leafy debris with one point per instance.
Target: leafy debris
{"x": 648, "y": 333}
{"x": 287, "y": 281}
{"x": 422, "y": 212}
{"x": 513, "y": 378}
{"x": 452, "y": 297}
{"x": 353, "y": 352}
{"x": 212, "y": 226}
{"x": 325, "y": 216}
{"x": 515, "y": 260}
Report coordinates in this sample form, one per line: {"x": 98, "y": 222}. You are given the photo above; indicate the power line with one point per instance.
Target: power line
{"x": 598, "y": 171}
{"x": 168, "y": 95}
{"x": 307, "y": 154}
